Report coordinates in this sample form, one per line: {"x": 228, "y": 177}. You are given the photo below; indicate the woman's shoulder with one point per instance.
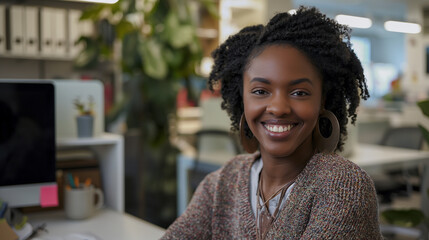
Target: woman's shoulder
{"x": 333, "y": 176}
{"x": 336, "y": 164}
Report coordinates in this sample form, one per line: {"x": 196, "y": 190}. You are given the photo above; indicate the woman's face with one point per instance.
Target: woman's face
{"x": 282, "y": 94}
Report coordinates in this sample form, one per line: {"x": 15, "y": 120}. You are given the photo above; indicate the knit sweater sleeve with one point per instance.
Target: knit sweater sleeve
{"x": 195, "y": 222}
{"x": 345, "y": 208}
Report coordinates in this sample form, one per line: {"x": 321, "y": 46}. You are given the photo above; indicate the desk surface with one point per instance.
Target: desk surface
{"x": 371, "y": 156}
{"x": 106, "y": 224}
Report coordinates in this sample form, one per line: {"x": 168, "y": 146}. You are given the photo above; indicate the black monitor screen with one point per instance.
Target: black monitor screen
{"x": 27, "y": 133}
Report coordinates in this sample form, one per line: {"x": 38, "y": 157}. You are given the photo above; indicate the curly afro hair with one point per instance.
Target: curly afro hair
{"x": 325, "y": 42}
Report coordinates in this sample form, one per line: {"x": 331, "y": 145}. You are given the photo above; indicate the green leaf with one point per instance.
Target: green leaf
{"x": 182, "y": 36}
{"x": 211, "y": 7}
{"x": 172, "y": 20}
{"x": 87, "y": 58}
{"x": 154, "y": 64}
{"x": 130, "y": 57}
{"x": 195, "y": 49}
{"x": 404, "y": 217}
{"x": 123, "y": 27}
{"x": 92, "y": 13}
{"x": 424, "y": 107}
{"x": 178, "y": 34}
{"x": 105, "y": 51}
{"x": 171, "y": 23}
{"x": 116, "y": 7}
{"x": 174, "y": 58}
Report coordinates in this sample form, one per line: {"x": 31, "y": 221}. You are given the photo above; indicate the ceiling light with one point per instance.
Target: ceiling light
{"x": 95, "y": 1}
{"x": 353, "y": 21}
{"x": 402, "y": 27}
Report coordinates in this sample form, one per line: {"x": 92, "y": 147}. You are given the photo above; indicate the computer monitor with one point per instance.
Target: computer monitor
{"x": 27, "y": 141}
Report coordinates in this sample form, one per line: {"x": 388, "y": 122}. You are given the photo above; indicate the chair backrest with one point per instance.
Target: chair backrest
{"x": 215, "y": 142}
{"x": 213, "y": 116}
{"x": 216, "y": 145}
{"x": 403, "y": 137}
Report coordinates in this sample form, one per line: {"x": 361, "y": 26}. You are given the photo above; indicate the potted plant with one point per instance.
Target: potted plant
{"x": 85, "y": 117}
{"x": 158, "y": 51}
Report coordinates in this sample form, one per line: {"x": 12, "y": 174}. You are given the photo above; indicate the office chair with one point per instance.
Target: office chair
{"x": 398, "y": 181}
{"x": 403, "y": 137}
{"x": 215, "y": 144}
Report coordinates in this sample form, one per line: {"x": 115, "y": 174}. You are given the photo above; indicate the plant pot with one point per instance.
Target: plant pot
{"x": 85, "y": 125}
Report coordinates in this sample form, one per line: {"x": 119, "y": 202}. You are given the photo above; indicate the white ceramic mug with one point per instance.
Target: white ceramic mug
{"x": 79, "y": 203}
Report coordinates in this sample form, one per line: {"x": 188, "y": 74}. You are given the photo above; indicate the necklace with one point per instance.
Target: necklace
{"x": 264, "y": 218}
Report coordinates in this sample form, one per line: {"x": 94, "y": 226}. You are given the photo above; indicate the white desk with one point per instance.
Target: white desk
{"x": 374, "y": 157}
{"x": 369, "y": 157}
{"x": 105, "y": 224}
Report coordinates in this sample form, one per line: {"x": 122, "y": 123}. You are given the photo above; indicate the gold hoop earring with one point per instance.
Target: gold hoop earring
{"x": 250, "y": 145}
{"x": 329, "y": 144}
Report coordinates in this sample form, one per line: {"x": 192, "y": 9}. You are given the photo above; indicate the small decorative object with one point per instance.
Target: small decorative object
{"x": 85, "y": 119}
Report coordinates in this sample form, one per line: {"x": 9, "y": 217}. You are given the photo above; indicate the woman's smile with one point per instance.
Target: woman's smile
{"x": 278, "y": 128}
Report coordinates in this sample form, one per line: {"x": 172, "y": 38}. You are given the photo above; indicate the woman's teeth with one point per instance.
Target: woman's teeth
{"x": 278, "y": 129}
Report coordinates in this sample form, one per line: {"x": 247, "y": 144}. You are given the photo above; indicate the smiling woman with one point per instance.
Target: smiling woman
{"x": 290, "y": 88}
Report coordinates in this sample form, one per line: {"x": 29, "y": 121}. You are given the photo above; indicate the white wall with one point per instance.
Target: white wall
{"x": 415, "y": 78}
{"x": 389, "y": 49}
{"x": 276, "y": 6}
{"x": 236, "y": 14}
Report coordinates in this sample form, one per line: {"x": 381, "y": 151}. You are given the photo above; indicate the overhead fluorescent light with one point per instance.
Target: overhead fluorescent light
{"x": 95, "y": 1}
{"x": 353, "y": 21}
{"x": 402, "y": 27}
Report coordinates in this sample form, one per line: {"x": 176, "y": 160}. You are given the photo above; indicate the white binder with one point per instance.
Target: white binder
{"x": 59, "y": 32}
{"x": 76, "y": 30}
{"x": 2, "y": 29}
{"x": 46, "y": 31}
{"x": 31, "y": 38}
{"x": 17, "y": 30}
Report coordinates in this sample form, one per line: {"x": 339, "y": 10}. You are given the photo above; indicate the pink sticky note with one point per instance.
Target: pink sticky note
{"x": 49, "y": 196}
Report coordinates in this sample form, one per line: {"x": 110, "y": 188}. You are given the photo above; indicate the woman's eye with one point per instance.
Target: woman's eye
{"x": 259, "y": 92}
{"x": 300, "y": 93}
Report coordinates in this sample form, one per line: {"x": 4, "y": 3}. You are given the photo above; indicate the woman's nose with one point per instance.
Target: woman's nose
{"x": 279, "y": 105}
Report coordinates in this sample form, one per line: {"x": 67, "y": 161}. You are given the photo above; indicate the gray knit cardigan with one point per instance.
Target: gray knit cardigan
{"x": 332, "y": 199}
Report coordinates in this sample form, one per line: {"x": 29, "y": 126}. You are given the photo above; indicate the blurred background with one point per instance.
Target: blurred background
{"x": 153, "y": 58}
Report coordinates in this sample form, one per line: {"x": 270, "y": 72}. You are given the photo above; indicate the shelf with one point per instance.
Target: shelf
{"x": 35, "y": 57}
{"x": 109, "y": 150}
{"x": 104, "y": 139}
{"x": 207, "y": 33}
{"x": 244, "y": 5}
